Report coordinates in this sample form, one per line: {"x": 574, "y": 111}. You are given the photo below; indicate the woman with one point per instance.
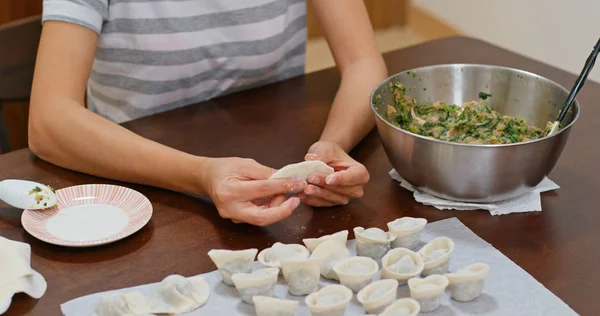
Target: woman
{"x": 103, "y": 62}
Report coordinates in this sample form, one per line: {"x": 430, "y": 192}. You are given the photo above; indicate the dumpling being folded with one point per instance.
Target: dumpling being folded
{"x": 123, "y": 304}
{"x": 177, "y": 294}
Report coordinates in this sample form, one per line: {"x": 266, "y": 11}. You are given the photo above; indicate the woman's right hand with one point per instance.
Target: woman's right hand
{"x": 242, "y": 191}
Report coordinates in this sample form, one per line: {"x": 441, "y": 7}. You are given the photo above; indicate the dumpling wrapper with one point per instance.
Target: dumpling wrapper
{"x": 407, "y": 231}
{"x": 302, "y": 170}
{"x": 376, "y": 296}
{"x": 330, "y": 252}
{"x": 123, "y": 304}
{"x": 302, "y": 276}
{"x": 271, "y": 306}
{"x": 401, "y": 264}
{"x": 436, "y": 256}
{"x": 330, "y": 300}
{"x": 230, "y": 262}
{"x": 428, "y": 291}
{"x": 312, "y": 243}
{"x": 258, "y": 283}
{"x": 177, "y": 294}
{"x": 466, "y": 284}
{"x": 272, "y": 257}
{"x": 403, "y": 307}
{"x": 356, "y": 272}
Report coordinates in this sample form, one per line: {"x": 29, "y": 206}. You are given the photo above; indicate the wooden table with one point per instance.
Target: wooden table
{"x": 275, "y": 125}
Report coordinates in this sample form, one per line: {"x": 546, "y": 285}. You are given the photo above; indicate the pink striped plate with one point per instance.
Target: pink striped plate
{"x": 89, "y": 215}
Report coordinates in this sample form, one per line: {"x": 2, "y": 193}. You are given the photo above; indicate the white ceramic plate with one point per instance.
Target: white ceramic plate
{"x": 89, "y": 215}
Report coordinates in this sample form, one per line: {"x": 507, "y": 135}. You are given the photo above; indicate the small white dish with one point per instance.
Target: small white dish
{"x": 89, "y": 215}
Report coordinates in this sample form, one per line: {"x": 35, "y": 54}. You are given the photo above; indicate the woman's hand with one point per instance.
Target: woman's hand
{"x": 340, "y": 187}
{"x": 242, "y": 192}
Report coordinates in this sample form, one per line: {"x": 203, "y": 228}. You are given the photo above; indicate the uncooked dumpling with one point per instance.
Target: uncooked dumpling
{"x": 272, "y": 257}
{"x": 407, "y": 231}
{"x": 330, "y": 252}
{"x": 302, "y": 170}
{"x": 403, "y": 307}
{"x": 466, "y": 284}
{"x": 376, "y": 296}
{"x": 271, "y": 306}
{"x": 372, "y": 242}
{"x": 401, "y": 264}
{"x": 302, "y": 276}
{"x": 330, "y": 300}
{"x": 230, "y": 262}
{"x": 356, "y": 272}
{"x": 428, "y": 291}
{"x": 123, "y": 304}
{"x": 312, "y": 243}
{"x": 177, "y": 294}
{"x": 260, "y": 282}
{"x": 436, "y": 256}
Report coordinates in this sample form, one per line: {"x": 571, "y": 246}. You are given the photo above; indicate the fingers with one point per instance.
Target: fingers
{"x": 314, "y": 201}
{"x": 353, "y": 192}
{"x": 354, "y": 175}
{"x": 328, "y": 195}
{"x": 252, "y": 169}
{"x": 256, "y": 189}
{"x": 258, "y": 216}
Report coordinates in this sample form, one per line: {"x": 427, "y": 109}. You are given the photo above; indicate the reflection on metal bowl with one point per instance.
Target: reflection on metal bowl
{"x": 473, "y": 172}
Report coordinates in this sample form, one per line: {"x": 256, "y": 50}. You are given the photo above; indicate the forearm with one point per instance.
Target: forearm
{"x": 72, "y": 137}
{"x": 350, "y": 118}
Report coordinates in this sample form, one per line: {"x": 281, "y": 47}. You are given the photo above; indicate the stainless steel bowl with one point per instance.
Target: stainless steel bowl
{"x": 475, "y": 173}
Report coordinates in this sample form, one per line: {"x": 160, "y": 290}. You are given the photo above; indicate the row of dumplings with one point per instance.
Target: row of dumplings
{"x": 175, "y": 294}
{"x": 328, "y": 256}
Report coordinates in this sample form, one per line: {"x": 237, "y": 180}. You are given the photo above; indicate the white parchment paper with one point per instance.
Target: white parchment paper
{"x": 509, "y": 290}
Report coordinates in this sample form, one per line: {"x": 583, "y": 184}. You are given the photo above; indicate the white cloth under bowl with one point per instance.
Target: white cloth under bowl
{"x": 16, "y": 274}
{"x": 529, "y": 202}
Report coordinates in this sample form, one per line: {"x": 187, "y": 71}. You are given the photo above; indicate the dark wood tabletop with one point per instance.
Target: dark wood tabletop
{"x": 275, "y": 125}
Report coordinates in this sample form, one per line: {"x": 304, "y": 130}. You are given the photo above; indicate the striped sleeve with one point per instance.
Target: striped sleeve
{"x": 87, "y": 13}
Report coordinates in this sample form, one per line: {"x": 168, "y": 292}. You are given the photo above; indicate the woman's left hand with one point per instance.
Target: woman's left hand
{"x": 338, "y": 188}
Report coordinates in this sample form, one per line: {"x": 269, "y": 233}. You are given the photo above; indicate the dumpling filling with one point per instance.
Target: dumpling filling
{"x": 400, "y": 312}
{"x": 434, "y": 255}
{"x": 329, "y": 299}
{"x": 357, "y": 268}
{"x": 375, "y": 233}
{"x": 406, "y": 264}
{"x": 279, "y": 252}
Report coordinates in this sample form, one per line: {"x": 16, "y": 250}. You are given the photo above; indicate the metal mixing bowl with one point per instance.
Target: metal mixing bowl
{"x": 467, "y": 172}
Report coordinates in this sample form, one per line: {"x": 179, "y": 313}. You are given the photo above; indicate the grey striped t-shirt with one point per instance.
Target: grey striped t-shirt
{"x": 156, "y": 55}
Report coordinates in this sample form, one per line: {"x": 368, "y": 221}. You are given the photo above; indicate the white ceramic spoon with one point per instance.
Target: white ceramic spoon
{"x": 26, "y": 194}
